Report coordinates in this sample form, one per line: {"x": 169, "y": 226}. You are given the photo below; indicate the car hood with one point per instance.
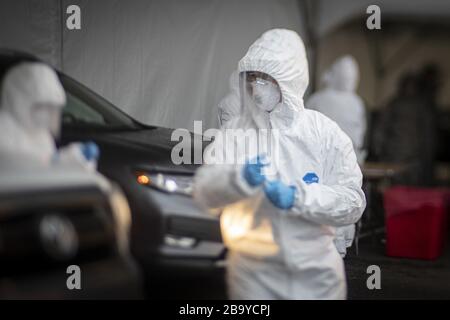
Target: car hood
{"x": 155, "y": 137}
{"x": 148, "y": 148}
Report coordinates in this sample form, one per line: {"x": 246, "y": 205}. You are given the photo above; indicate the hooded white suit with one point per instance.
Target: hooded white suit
{"x": 32, "y": 99}
{"x": 340, "y": 103}
{"x": 26, "y": 141}
{"x": 274, "y": 253}
{"x": 230, "y": 105}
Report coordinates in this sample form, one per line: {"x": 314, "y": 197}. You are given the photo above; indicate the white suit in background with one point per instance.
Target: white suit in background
{"x": 32, "y": 98}
{"x": 339, "y": 102}
{"x": 285, "y": 253}
{"x": 230, "y": 105}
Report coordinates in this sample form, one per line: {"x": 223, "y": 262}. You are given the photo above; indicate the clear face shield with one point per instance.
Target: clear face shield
{"x": 260, "y": 90}
{"x": 260, "y": 94}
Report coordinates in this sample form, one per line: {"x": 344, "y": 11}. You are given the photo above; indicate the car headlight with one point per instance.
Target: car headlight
{"x": 58, "y": 236}
{"x": 179, "y": 184}
{"x": 180, "y": 242}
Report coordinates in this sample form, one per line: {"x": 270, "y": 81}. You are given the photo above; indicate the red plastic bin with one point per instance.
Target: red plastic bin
{"x": 416, "y": 222}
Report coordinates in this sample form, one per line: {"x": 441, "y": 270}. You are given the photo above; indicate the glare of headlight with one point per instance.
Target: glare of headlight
{"x": 171, "y": 185}
{"x": 180, "y": 242}
{"x": 162, "y": 182}
{"x": 143, "y": 179}
{"x": 58, "y": 236}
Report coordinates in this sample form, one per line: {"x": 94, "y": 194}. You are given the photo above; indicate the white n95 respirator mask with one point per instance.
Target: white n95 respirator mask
{"x": 266, "y": 94}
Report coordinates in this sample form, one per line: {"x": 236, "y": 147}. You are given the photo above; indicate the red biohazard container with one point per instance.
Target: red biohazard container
{"x": 416, "y": 222}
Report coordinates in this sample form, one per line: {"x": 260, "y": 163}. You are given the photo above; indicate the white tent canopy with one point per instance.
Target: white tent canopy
{"x": 331, "y": 14}
{"x": 165, "y": 62}
{"x": 419, "y": 36}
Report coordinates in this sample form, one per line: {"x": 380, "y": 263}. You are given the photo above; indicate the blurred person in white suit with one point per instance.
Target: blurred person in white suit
{"x": 32, "y": 99}
{"x": 339, "y": 102}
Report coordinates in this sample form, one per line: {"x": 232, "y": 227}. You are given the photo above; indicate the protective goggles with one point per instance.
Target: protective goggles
{"x": 259, "y": 77}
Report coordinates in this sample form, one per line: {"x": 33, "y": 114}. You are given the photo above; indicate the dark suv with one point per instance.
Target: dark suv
{"x": 171, "y": 237}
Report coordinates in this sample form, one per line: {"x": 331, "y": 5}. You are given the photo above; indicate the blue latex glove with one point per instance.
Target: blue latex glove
{"x": 282, "y": 196}
{"x": 90, "y": 151}
{"x": 252, "y": 171}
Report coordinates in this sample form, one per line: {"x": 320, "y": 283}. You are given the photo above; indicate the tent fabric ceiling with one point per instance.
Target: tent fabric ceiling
{"x": 33, "y": 26}
{"x": 165, "y": 62}
{"x": 400, "y": 49}
{"x": 331, "y": 14}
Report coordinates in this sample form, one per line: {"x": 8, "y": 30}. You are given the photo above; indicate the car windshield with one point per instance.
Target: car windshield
{"x": 84, "y": 108}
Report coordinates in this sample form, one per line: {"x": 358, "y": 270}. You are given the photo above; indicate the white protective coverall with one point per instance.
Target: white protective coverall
{"x": 230, "y": 105}
{"x": 32, "y": 98}
{"x": 274, "y": 253}
{"x": 339, "y": 102}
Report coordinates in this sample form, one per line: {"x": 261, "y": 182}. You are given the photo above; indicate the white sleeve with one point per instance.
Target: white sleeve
{"x": 339, "y": 199}
{"x": 229, "y": 107}
{"x": 360, "y": 130}
{"x": 71, "y": 155}
{"x": 218, "y": 185}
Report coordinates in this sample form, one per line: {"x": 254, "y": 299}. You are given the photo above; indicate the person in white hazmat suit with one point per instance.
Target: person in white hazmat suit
{"x": 339, "y": 102}
{"x": 32, "y": 99}
{"x": 230, "y": 105}
{"x": 278, "y": 216}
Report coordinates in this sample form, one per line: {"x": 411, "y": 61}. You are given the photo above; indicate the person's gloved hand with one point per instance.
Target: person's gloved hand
{"x": 252, "y": 171}
{"x": 90, "y": 151}
{"x": 281, "y": 195}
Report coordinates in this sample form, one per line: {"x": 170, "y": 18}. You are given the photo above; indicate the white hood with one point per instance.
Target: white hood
{"x": 281, "y": 54}
{"x": 28, "y": 85}
{"x": 343, "y": 75}
{"x": 24, "y": 138}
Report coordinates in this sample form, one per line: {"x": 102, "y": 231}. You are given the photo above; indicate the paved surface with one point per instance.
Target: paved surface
{"x": 400, "y": 278}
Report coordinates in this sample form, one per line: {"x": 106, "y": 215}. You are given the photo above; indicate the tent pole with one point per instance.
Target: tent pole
{"x": 308, "y": 10}
{"x": 61, "y": 35}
